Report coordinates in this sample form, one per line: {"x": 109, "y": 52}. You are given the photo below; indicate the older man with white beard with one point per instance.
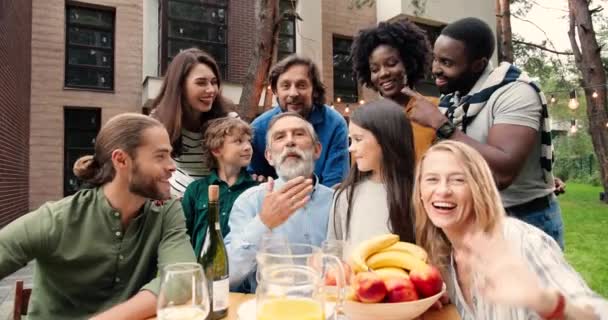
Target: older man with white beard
{"x": 295, "y": 205}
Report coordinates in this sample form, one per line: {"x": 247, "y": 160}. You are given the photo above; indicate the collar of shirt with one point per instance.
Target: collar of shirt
{"x": 244, "y": 179}
{"x": 106, "y": 208}
{"x": 317, "y": 114}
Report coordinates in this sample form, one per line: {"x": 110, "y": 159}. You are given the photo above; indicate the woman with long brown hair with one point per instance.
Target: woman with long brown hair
{"x": 495, "y": 267}
{"x": 375, "y": 198}
{"x": 189, "y": 97}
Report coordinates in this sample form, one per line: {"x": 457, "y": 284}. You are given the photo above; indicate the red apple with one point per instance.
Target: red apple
{"x": 427, "y": 280}
{"x": 332, "y": 275}
{"x": 400, "y": 290}
{"x": 369, "y": 287}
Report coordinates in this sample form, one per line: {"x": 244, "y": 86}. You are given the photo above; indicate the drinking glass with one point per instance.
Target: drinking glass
{"x": 183, "y": 293}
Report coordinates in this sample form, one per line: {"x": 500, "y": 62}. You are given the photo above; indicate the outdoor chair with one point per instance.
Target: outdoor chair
{"x": 22, "y": 300}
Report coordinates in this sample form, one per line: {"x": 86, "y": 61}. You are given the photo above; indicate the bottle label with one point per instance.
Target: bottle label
{"x": 220, "y": 294}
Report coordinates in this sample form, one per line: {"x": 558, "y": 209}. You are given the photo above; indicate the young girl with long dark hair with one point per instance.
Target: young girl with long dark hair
{"x": 376, "y": 196}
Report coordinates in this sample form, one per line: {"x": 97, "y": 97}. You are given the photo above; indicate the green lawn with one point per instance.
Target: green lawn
{"x": 586, "y": 224}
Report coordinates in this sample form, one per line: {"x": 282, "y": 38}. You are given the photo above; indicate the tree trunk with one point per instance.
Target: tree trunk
{"x": 503, "y": 31}
{"x": 265, "y": 35}
{"x": 588, "y": 61}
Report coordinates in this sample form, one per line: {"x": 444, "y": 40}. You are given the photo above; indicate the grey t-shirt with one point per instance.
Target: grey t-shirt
{"x": 515, "y": 103}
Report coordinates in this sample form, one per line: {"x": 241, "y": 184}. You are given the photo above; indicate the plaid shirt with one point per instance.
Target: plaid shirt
{"x": 546, "y": 259}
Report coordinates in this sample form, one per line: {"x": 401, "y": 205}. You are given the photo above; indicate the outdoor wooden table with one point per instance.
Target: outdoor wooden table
{"x": 236, "y": 299}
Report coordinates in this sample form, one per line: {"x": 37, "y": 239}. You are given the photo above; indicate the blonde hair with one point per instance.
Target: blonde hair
{"x": 487, "y": 206}
{"x": 215, "y": 135}
{"x": 123, "y": 132}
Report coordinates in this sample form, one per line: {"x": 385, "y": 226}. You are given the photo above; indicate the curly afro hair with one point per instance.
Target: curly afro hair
{"x": 403, "y": 35}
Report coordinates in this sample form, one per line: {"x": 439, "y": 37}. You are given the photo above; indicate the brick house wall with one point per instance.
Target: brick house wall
{"x": 241, "y": 27}
{"x": 49, "y": 97}
{"x": 15, "y": 48}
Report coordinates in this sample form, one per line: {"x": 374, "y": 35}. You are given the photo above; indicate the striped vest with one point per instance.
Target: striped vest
{"x": 462, "y": 111}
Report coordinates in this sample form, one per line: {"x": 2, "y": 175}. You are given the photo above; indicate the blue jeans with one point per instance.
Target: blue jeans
{"x": 549, "y": 220}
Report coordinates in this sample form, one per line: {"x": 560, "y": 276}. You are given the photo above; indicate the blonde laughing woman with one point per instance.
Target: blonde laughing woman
{"x": 495, "y": 267}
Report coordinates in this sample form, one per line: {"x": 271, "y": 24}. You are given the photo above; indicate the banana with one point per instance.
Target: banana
{"x": 391, "y": 272}
{"x": 369, "y": 247}
{"x": 415, "y": 250}
{"x": 403, "y": 260}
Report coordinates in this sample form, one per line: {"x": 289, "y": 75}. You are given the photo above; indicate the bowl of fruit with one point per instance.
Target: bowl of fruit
{"x": 392, "y": 280}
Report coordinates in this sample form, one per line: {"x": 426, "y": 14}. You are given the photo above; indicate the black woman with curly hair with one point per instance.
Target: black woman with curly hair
{"x": 390, "y": 57}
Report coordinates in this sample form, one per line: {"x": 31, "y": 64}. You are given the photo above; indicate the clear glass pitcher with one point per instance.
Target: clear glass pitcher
{"x": 290, "y": 282}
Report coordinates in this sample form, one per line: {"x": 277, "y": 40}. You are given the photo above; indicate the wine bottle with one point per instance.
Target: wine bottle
{"x": 214, "y": 259}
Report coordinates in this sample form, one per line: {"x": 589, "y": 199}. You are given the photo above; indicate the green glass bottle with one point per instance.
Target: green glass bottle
{"x": 214, "y": 259}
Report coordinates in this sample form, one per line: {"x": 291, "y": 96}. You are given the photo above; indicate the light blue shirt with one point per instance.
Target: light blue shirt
{"x": 307, "y": 225}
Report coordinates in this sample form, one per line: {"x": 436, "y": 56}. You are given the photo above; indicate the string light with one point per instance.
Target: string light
{"x": 553, "y": 99}
{"x": 573, "y": 127}
{"x": 361, "y": 102}
{"x": 594, "y": 95}
{"x": 573, "y": 103}
{"x": 339, "y": 100}
{"x": 347, "y": 110}
{"x": 269, "y": 88}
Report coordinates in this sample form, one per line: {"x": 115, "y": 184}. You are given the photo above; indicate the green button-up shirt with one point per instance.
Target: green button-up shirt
{"x": 195, "y": 202}
{"x": 85, "y": 261}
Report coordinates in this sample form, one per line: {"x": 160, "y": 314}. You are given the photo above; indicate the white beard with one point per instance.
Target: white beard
{"x": 292, "y": 168}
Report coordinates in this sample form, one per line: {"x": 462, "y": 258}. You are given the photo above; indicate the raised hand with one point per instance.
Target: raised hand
{"x": 424, "y": 112}
{"x": 501, "y": 275}
{"x": 279, "y": 205}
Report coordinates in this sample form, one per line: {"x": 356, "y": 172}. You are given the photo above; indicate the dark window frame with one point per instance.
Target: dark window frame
{"x": 353, "y": 97}
{"x": 112, "y": 50}
{"x": 287, "y": 19}
{"x": 165, "y": 38}
{"x": 67, "y": 149}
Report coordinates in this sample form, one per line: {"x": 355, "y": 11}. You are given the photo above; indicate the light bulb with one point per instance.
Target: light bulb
{"x": 269, "y": 88}
{"x": 339, "y": 100}
{"x": 573, "y": 129}
{"x": 347, "y": 110}
{"x": 361, "y": 101}
{"x": 553, "y": 99}
{"x": 573, "y": 103}
{"x": 594, "y": 95}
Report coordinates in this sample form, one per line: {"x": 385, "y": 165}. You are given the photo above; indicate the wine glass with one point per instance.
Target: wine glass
{"x": 183, "y": 293}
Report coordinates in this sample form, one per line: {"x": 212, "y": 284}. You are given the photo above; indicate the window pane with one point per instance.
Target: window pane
{"x": 344, "y": 79}
{"x": 82, "y": 119}
{"x": 287, "y": 27}
{"x": 86, "y": 77}
{"x": 285, "y": 5}
{"x": 81, "y": 140}
{"x": 83, "y": 56}
{"x": 286, "y": 44}
{"x": 342, "y": 45}
{"x": 205, "y": 32}
{"x": 345, "y": 95}
{"x": 90, "y": 17}
{"x": 345, "y": 82}
{"x": 87, "y": 37}
{"x": 197, "y": 12}
{"x": 218, "y": 52}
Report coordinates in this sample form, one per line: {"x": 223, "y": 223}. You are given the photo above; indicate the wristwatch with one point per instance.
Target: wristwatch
{"x": 446, "y": 130}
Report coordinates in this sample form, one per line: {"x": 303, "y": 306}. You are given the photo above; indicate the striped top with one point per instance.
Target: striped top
{"x": 546, "y": 260}
{"x": 190, "y": 166}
